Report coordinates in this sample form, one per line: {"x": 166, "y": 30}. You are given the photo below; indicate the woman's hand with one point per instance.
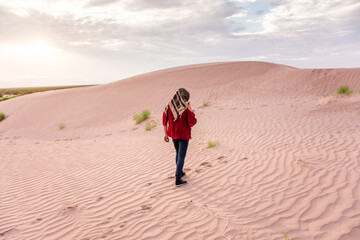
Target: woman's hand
{"x": 189, "y": 107}
{"x": 166, "y": 138}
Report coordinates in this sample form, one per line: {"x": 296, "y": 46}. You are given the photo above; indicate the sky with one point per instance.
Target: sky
{"x": 67, "y": 42}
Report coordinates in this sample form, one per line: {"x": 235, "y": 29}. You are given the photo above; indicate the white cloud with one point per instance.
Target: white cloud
{"x": 146, "y": 35}
{"x": 294, "y": 16}
{"x": 240, "y": 14}
{"x": 242, "y": 1}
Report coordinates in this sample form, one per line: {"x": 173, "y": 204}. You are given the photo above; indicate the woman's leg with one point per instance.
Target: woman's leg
{"x": 183, "y": 145}
{"x": 176, "y": 145}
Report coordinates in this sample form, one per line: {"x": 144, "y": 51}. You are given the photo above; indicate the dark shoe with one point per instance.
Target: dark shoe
{"x": 183, "y": 174}
{"x": 180, "y": 182}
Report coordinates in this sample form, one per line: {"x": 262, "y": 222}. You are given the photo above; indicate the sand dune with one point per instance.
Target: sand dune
{"x": 288, "y": 159}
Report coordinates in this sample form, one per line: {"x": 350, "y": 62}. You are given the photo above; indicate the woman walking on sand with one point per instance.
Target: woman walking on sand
{"x": 178, "y": 118}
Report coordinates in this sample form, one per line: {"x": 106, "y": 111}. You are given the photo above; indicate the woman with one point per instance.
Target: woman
{"x": 178, "y": 118}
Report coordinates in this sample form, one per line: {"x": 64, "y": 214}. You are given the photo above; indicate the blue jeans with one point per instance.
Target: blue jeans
{"x": 181, "y": 148}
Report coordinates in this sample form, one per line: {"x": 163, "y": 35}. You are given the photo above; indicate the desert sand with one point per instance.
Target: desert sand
{"x": 288, "y": 159}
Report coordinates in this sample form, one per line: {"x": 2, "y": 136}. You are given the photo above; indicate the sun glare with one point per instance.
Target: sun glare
{"x": 38, "y": 50}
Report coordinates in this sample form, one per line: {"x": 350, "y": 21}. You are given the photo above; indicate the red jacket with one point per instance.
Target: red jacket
{"x": 181, "y": 128}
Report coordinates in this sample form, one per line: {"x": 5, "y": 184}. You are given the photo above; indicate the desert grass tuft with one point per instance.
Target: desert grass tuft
{"x": 150, "y": 125}
{"x": 343, "y": 89}
{"x": 212, "y": 144}
{"x": 205, "y": 104}
{"x": 287, "y": 237}
{"x": 61, "y": 126}
{"x": 2, "y": 116}
{"x": 141, "y": 116}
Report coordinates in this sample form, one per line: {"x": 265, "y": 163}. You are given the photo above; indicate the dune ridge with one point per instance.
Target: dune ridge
{"x": 287, "y": 161}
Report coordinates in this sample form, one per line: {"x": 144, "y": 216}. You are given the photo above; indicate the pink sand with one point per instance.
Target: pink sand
{"x": 288, "y": 159}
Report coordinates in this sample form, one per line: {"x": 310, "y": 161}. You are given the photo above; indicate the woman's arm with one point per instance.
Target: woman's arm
{"x": 166, "y": 138}
{"x": 191, "y": 119}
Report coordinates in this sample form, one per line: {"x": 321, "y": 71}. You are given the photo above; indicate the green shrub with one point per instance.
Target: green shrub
{"x": 344, "y": 90}
{"x": 205, "y": 104}
{"x": 61, "y": 126}
{"x": 142, "y": 116}
{"x": 2, "y": 116}
{"x": 150, "y": 125}
{"x": 212, "y": 144}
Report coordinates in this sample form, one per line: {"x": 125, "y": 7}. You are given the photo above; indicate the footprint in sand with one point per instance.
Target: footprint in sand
{"x": 72, "y": 207}
{"x": 206, "y": 164}
{"x": 107, "y": 233}
{"x": 106, "y": 221}
{"x": 123, "y": 224}
{"x": 303, "y": 163}
{"x": 203, "y": 164}
{"x": 156, "y": 195}
{"x": 11, "y": 230}
{"x": 36, "y": 220}
{"x": 222, "y": 157}
{"x": 145, "y": 207}
{"x": 68, "y": 210}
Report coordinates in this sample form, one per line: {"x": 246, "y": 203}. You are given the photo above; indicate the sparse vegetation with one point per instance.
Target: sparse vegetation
{"x": 6, "y": 98}
{"x": 142, "y": 116}
{"x": 205, "y": 104}
{"x": 292, "y": 105}
{"x": 343, "y": 89}
{"x": 2, "y": 116}
{"x": 61, "y": 126}
{"x": 212, "y": 144}
{"x": 287, "y": 237}
{"x": 8, "y": 93}
{"x": 150, "y": 125}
